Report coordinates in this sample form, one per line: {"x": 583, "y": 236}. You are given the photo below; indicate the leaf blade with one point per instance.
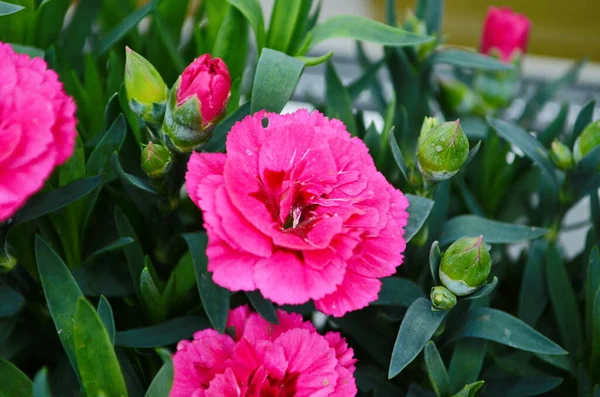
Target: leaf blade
{"x": 492, "y": 231}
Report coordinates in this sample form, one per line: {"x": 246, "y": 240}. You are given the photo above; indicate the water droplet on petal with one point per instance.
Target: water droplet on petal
{"x": 438, "y": 148}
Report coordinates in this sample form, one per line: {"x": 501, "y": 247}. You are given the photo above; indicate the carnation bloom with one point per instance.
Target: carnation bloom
{"x": 286, "y": 360}
{"x": 37, "y": 127}
{"x": 297, "y": 210}
{"x": 505, "y": 31}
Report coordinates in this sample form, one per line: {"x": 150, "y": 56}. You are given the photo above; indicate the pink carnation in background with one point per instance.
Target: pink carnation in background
{"x": 37, "y": 127}
{"x": 286, "y": 360}
{"x": 298, "y": 211}
{"x": 505, "y": 31}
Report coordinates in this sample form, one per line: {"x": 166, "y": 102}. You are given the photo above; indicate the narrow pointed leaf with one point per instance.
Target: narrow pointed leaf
{"x": 398, "y": 157}
{"x": 493, "y": 232}
{"x": 435, "y": 258}
{"x": 436, "y": 371}
{"x": 595, "y": 353}
{"x": 417, "y": 328}
{"x": 338, "y": 103}
{"x": 253, "y": 13}
{"x": 215, "y": 298}
{"x": 56, "y": 199}
{"x": 11, "y": 302}
{"x": 13, "y": 382}
{"x": 161, "y": 384}
{"x": 470, "y": 60}
{"x": 364, "y": 29}
{"x": 100, "y": 159}
{"x": 501, "y": 327}
{"x": 133, "y": 252}
{"x": 126, "y": 25}
{"x": 533, "y": 295}
{"x": 8, "y": 8}
{"x": 418, "y": 209}
{"x": 591, "y": 287}
{"x": 467, "y": 362}
{"x": 41, "y": 385}
{"x": 96, "y": 359}
{"x": 470, "y": 390}
{"x": 131, "y": 179}
{"x": 397, "y": 291}
{"x": 106, "y": 316}
{"x": 110, "y": 247}
{"x": 584, "y": 117}
{"x": 485, "y": 290}
{"x": 168, "y": 333}
{"x": 263, "y": 306}
{"x": 521, "y": 386}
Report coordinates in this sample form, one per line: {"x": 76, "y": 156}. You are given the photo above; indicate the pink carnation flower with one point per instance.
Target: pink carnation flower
{"x": 297, "y": 210}
{"x": 286, "y": 360}
{"x": 505, "y": 31}
{"x": 37, "y": 127}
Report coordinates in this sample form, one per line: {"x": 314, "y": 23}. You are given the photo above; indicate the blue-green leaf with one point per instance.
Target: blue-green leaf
{"x": 100, "y": 160}
{"x": 470, "y": 60}
{"x": 133, "y": 252}
{"x": 467, "y": 361}
{"x": 595, "y": 353}
{"x": 106, "y": 316}
{"x": 13, "y": 382}
{"x": 417, "y": 328}
{"x": 163, "y": 334}
{"x": 131, "y": 179}
{"x": 11, "y": 302}
{"x": 533, "y": 296}
{"x": 110, "y": 247}
{"x": 436, "y": 371}
{"x": 592, "y": 284}
{"x": 41, "y": 385}
{"x": 263, "y": 306}
{"x": 485, "y": 290}
{"x": 364, "y": 29}
{"x": 215, "y": 298}
{"x": 435, "y": 257}
{"x": 470, "y": 390}
{"x": 493, "y": 232}
{"x": 399, "y": 158}
{"x": 130, "y": 22}
{"x": 253, "y": 13}
{"x": 161, "y": 384}
{"x": 8, "y": 8}
{"x": 418, "y": 209}
{"x": 99, "y": 368}
{"x": 275, "y": 80}
{"x": 501, "y": 327}
{"x": 56, "y": 199}
{"x": 338, "y": 103}
{"x": 398, "y": 291}
{"x": 521, "y": 386}
{"x": 583, "y": 119}
{"x": 33, "y": 52}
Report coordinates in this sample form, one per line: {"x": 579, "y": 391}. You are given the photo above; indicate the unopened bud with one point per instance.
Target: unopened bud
{"x": 146, "y": 91}
{"x": 561, "y": 156}
{"x": 156, "y": 160}
{"x": 465, "y": 266}
{"x": 457, "y": 97}
{"x": 442, "y": 298}
{"x": 588, "y": 140}
{"x": 442, "y": 151}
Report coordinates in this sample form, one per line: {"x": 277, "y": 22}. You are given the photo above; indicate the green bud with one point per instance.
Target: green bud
{"x": 457, "y": 96}
{"x": 588, "y": 140}
{"x": 156, "y": 160}
{"x": 465, "y": 265}
{"x": 561, "y": 156}
{"x": 442, "y": 298}
{"x": 442, "y": 151}
{"x": 146, "y": 91}
{"x": 428, "y": 124}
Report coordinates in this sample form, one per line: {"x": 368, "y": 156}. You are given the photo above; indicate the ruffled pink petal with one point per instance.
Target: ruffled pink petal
{"x": 354, "y": 293}
{"x": 224, "y": 385}
{"x": 231, "y": 269}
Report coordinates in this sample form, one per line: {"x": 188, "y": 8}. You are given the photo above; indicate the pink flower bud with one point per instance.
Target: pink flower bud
{"x": 506, "y": 32}
{"x": 207, "y": 79}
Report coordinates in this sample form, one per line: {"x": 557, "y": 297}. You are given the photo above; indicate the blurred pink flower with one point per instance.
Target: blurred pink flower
{"x": 37, "y": 127}
{"x": 286, "y": 360}
{"x": 505, "y": 31}
{"x": 207, "y": 79}
{"x": 298, "y": 210}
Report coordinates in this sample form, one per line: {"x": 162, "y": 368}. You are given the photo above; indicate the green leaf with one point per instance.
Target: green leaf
{"x": 109, "y": 280}
{"x": 219, "y": 136}
{"x": 364, "y": 29}
{"x": 49, "y": 19}
{"x": 41, "y": 385}
{"x": 98, "y": 365}
{"x": 61, "y": 292}
{"x": 435, "y": 257}
{"x": 417, "y": 328}
{"x": 595, "y": 353}
{"x": 501, "y": 327}
{"x": 133, "y": 252}
{"x": 556, "y": 127}
{"x": 126, "y": 25}
{"x": 129, "y": 179}
{"x": 468, "y": 196}
{"x": 33, "y": 52}
{"x": 167, "y": 333}
{"x": 436, "y": 371}
{"x": 430, "y": 11}
{"x": 564, "y": 301}
{"x": 314, "y": 61}
{"x": 366, "y": 79}
{"x": 493, "y": 232}
{"x": 110, "y": 247}
{"x": 181, "y": 282}
{"x": 253, "y": 13}
{"x": 162, "y": 382}
{"x": 286, "y": 16}
{"x": 8, "y": 8}
{"x": 275, "y": 80}
{"x": 470, "y": 60}
{"x": 583, "y": 119}
{"x": 231, "y": 44}
{"x": 73, "y": 38}
{"x": 398, "y": 291}
{"x": 530, "y": 146}
{"x": 466, "y": 363}
{"x": 338, "y": 103}
{"x": 263, "y": 306}
{"x": 592, "y": 284}
{"x": 215, "y": 299}
{"x": 470, "y": 390}
{"x": 106, "y": 316}
{"x": 152, "y": 297}
{"x": 418, "y": 209}
{"x": 13, "y": 382}
{"x": 400, "y": 162}
{"x": 533, "y": 296}
{"x": 521, "y": 386}
{"x": 53, "y": 200}
{"x": 100, "y": 160}
{"x": 485, "y": 290}
{"x": 11, "y": 302}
